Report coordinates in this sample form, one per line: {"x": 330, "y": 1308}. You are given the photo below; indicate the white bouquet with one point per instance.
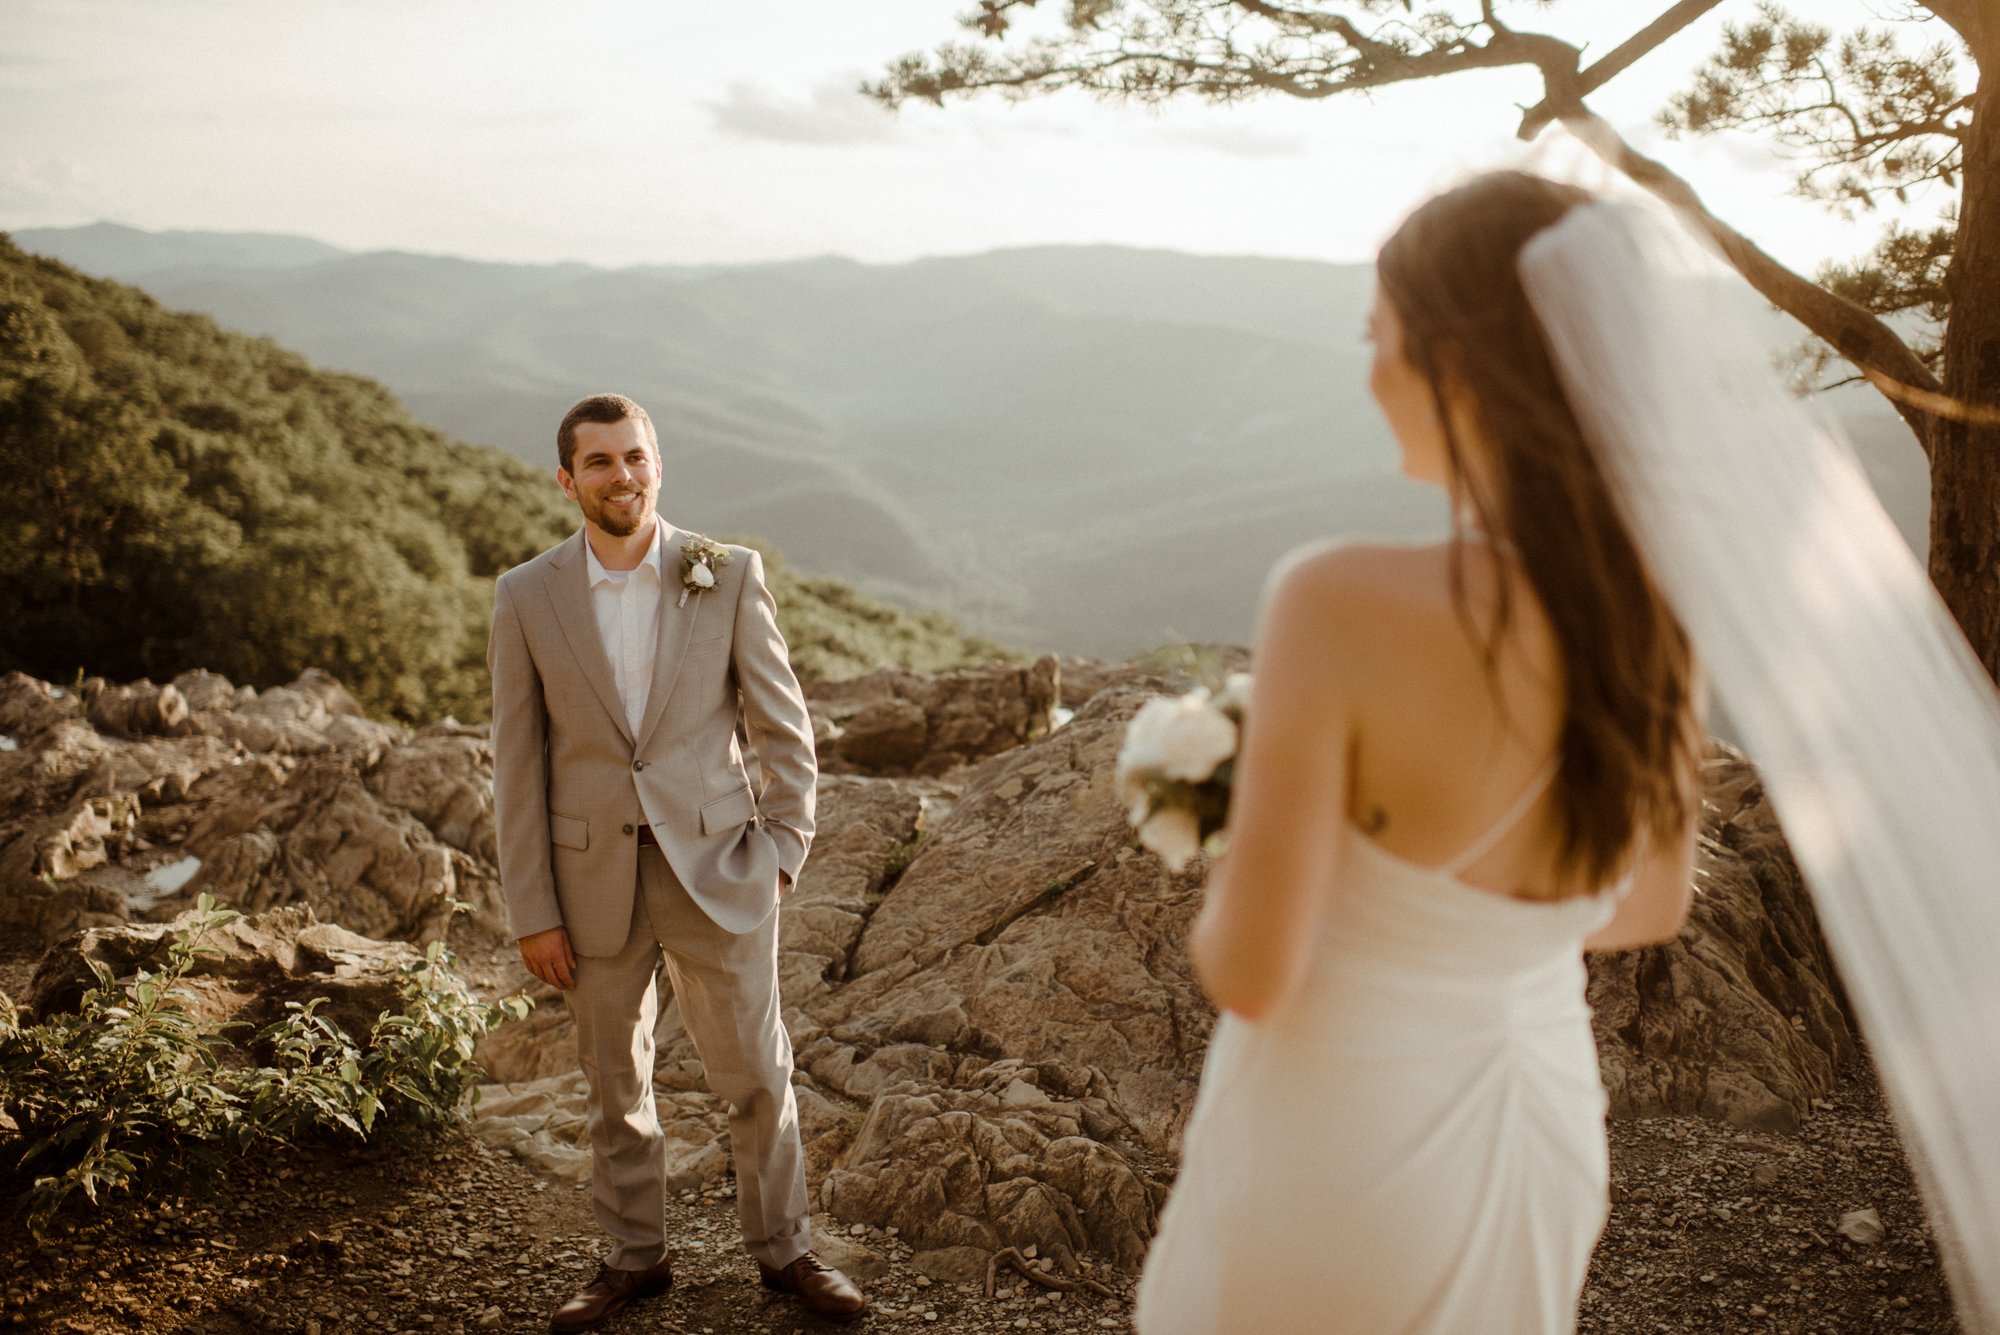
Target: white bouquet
{"x": 1177, "y": 766}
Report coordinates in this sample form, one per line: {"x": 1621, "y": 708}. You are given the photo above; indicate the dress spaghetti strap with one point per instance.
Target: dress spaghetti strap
{"x": 1509, "y": 818}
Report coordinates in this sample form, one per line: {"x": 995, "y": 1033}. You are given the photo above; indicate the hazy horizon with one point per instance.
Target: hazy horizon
{"x": 611, "y": 267}
{"x": 618, "y": 133}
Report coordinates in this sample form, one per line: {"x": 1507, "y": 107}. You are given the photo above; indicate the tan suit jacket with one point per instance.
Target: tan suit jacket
{"x": 572, "y": 785}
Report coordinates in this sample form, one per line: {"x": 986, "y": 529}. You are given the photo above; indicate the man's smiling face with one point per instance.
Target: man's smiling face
{"x": 616, "y": 477}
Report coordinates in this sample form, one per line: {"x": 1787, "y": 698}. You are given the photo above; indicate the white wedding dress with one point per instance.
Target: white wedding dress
{"x": 1414, "y": 1144}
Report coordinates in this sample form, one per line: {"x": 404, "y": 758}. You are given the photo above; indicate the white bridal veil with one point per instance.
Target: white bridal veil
{"x": 1877, "y": 734}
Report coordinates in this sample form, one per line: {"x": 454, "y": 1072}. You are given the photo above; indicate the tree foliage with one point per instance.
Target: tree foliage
{"x": 179, "y": 496}
{"x": 833, "y": 630}
{"x": 1220, "y": 50}
{"x": 1866, "y": 115}
{"x": 1863, "y": 116}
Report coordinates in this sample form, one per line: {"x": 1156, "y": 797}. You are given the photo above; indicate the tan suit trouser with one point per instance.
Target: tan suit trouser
{"x": 727, "y": 986}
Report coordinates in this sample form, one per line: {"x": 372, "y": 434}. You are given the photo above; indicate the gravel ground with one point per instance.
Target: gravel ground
{"x": 1712, "y": 1230}
{"x": 455, "y": 1240}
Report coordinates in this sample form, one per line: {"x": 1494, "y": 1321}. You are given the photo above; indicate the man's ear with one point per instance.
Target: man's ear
{"x": 566, "y": 482}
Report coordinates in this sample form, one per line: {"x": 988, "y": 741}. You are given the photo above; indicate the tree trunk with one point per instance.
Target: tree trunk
{"x": 1965, "y": 456}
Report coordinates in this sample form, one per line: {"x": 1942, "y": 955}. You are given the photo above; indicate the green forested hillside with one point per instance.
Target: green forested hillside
{"x": 179, "y": 496}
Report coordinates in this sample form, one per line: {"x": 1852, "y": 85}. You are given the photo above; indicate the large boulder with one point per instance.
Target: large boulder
{"x": 997, "y": 1164}
{"x": 896, "y": 722}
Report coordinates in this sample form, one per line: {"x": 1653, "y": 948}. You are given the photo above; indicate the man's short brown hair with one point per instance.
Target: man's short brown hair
{"x": 604, "y": 408}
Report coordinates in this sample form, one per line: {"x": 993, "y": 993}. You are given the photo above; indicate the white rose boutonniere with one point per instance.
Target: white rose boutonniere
{"x": 1177, "y": 767}
{"x": 699, "y": 558}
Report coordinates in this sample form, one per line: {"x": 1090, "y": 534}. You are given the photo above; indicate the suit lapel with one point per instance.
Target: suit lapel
{"x": 677, "y": 622}
{"x": 569, "y": 590}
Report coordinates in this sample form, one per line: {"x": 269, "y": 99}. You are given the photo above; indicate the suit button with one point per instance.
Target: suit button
{"x": 627, "y": 829}
{"x": 638, "y": 765}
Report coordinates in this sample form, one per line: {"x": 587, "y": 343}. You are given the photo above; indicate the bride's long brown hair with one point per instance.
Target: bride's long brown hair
{"x": 1630, "y": 738}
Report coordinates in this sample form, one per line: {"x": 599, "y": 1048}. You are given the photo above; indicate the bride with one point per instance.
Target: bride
{"x": 1466, "y": 764}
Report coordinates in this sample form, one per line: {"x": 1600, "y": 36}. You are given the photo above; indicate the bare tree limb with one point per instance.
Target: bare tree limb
{"x": 1937, "y": 405}
{"x": 1620, "y": 58}
{"x": 1852, "y": 332}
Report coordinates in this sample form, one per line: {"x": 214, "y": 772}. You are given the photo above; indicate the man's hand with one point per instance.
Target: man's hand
{"x": 549, "y": 958}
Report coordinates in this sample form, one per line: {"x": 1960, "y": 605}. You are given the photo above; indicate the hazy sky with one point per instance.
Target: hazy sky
{"x": 620, "y": 131}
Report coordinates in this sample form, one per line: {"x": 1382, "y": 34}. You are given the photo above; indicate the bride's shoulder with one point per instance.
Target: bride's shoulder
{"x": 1350, "y": 576}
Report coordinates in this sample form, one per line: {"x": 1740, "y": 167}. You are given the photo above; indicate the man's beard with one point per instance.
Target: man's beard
{"x": 619, "y": 523}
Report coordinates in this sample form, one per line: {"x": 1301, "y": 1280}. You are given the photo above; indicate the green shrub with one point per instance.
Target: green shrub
{"x": 131, "y": 1091}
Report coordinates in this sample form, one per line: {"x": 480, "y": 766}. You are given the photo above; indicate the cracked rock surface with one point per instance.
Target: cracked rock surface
{"x": 997, "y": 1034}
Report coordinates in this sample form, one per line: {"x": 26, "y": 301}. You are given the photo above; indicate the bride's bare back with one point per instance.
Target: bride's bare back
{"x": 1372, "y": 702}
{"x": 1440, "y": 747}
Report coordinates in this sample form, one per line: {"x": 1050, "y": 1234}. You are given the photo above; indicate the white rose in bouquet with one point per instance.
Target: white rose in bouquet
{"x": 1174, "y": 834}
{"x": 1197, "y": 739}
{"x": 1234, "y": 697}
{"x": 1175, "y": 769}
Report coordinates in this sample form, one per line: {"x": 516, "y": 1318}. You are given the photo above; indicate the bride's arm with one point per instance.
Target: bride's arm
{"x": 1250, "y": 944}
{"x": 1658, "y": 902}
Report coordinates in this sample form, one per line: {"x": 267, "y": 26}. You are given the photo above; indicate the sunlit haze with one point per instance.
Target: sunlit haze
{"x": 629, "y": 131}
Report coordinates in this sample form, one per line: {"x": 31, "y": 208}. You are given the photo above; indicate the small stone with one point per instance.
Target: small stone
{"x": 1021, "y": 1094}
{"x": 491, "y": 1318}
{"x": 856, "y": 1230}
{"x": 1863, "y": 1226}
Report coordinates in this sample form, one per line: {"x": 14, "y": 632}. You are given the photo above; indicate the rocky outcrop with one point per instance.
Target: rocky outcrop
{"x": 896, "y": 722}
{"x": 997, "y": 1034}
{"x": 128, "y": 800}
{"x": 1028, "y": 926}
{"x": 1741, "y": 1019}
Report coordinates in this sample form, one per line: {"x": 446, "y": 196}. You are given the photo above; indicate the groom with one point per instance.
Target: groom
{"x": 630, "y": 833}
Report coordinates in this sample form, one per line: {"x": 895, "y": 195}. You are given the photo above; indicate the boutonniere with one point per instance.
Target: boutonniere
{"x": 699, "y": 558}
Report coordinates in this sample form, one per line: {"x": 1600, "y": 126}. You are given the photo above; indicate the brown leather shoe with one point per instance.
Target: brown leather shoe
{"x": 820, "y": 1289}
{"x": 608, "y": 1294}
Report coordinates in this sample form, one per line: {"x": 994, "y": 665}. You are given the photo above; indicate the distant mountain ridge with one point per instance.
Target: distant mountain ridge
{"x": 113, "y": 250}
{"x": 1092, "y": 448}
{"x": 186, "y": 497}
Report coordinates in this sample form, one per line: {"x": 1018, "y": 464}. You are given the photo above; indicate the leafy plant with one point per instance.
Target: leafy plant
{"x": 128, "y": 1086}
{"x": 131, "y": 1089}
{"x": 420, "y": 1062}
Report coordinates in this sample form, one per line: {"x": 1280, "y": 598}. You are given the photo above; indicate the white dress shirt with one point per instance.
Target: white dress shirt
{"x": 627, "y": 606}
